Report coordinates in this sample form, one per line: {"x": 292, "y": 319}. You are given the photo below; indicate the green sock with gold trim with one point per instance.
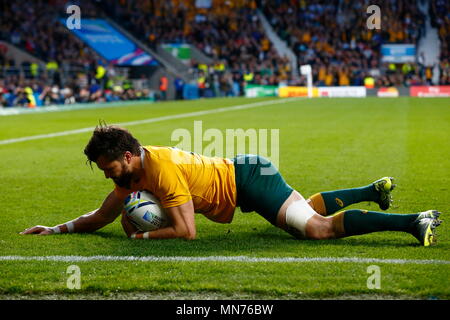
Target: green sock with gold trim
{"x": 363, "y": 221}
{"x": 338, "y": 199}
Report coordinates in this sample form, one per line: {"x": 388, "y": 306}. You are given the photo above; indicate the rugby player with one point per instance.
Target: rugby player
{"x": 188, "y": 183}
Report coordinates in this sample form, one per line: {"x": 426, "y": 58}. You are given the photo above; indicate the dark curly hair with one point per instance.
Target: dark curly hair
{"x": 111, "y": 142}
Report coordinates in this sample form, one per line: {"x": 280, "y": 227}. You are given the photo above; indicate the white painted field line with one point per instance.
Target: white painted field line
{"x": 219, "y": 259}
{"x": 151, "y": 120}
{"x": 14, "y": 111}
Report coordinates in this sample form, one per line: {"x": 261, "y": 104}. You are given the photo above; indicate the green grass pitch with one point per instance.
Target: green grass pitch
{"x": 324, "y": 144}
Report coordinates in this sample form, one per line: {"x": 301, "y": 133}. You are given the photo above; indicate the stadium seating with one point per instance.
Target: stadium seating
{"x": 229, "y": 32}
{"x": 440, "y": 12}
{"x": 332, "y": 36}
{"x": 67, "y": 75}
{"x": 329, "y": 35}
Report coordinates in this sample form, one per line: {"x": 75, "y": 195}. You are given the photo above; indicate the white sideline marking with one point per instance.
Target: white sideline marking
{"x": 151, "y": 120}
{"x": 14, "y": 111}
{"x": 218, "y": 259}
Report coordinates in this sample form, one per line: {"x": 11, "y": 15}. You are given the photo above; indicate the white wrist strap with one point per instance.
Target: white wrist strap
{"x": 145, "y": 235}
{"x": 69, "y": 226}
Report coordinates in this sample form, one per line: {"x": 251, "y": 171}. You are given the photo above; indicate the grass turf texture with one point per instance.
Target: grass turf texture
{"x": 325, "y": 144}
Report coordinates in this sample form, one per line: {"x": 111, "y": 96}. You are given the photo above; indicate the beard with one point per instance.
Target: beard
{"x": 124, "y": 180}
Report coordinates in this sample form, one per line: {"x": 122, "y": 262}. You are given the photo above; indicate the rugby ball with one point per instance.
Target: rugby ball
{"x": 145, "y": 211}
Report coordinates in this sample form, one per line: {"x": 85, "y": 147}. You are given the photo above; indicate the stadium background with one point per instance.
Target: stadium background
{"x": 221, "y": 48}
{"x": 112, "y": 69}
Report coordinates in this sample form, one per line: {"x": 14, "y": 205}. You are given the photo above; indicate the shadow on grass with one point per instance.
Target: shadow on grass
{"x": 269, "y": 241}
{"x": 212, "y": 241}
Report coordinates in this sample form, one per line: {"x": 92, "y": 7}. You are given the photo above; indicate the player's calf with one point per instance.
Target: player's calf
{"x": 319, "y": 228}
{"x": 329, "y": 202}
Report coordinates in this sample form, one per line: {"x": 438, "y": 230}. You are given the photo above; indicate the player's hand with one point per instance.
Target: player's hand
{"x": 40, "y": 230}
{"x": 127, "y": 226}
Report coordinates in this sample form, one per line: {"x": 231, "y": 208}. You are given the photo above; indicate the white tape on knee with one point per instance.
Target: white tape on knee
{"x": 298, "y": 214}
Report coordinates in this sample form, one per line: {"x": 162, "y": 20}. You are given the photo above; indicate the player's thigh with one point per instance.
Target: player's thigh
{"x": 317, "y": 226}
{"x": 281, "y": 217}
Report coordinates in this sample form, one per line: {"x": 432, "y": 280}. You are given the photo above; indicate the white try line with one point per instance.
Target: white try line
{"x": 218, "y": 259}
{"x": 152, "y": 120}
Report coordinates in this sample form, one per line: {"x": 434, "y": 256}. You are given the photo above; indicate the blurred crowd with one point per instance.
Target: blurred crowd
{"x": 229, "y": 32}
{"x": 330, "y": 35}
{"x": 333, "y": 37}
{"x": 440, "y": 13}
{"x": 34, "y": 27}
{"x": 72, "y": 72}
{"x": 32, "y": 93}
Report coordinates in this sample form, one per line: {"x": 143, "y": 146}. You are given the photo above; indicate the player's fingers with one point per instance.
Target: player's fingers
{"x": 32, "y": 230}
{"x": 45, "y": 232}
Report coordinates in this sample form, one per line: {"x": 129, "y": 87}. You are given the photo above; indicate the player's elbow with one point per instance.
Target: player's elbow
{"x": 190, "y": 235}
{"x": 187, "y": 234}
{"x": 184, "y": 230}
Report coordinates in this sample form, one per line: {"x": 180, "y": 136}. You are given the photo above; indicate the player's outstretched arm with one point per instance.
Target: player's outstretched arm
{"x": 182, "y": 225}
{"x": 94, "y": 220}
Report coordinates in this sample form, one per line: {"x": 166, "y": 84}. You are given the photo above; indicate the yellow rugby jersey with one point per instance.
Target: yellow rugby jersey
{"x": 175, "y": 176}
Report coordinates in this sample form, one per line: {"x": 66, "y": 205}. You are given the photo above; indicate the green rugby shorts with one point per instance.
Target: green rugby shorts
{"x": 260, "y": 186}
